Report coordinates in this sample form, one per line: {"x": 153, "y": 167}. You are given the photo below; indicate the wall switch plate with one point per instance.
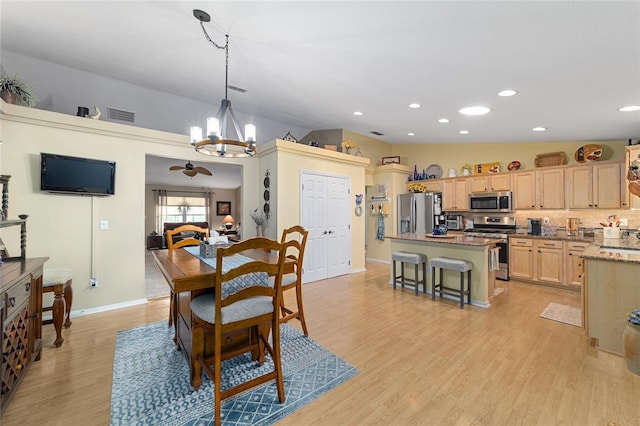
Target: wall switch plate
{"x": 624, "y": 222}
{"x": 104, "y": 224}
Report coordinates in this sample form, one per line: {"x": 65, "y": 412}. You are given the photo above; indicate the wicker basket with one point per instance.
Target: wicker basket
{"x": 550, "y": 159}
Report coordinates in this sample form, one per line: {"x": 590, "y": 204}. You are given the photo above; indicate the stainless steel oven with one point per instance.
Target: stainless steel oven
{"x": 498, "y": 227}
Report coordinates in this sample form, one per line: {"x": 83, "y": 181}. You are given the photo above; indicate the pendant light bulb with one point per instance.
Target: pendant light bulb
{"x": 196, "y": 134}
{"x": 250, "y": 133}
{"x": 213, "y": 127}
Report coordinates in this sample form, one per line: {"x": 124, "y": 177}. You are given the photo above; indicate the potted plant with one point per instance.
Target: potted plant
{"x": 631, "y": 342}
{"x": 260, "y": 220}
{"x": 14, "y": 90}
{"x": 466, "y": 169}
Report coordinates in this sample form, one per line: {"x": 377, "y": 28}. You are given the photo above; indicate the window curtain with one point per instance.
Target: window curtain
{"x": 208, "y": 197}
{"x": 161, "y": 209}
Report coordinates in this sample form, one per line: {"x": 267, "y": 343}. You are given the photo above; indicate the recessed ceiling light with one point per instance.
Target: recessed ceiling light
{"x": 539, "y": 129}
{"x": 415, "y": 105}
{"x": 630, "y": 108}
{"x": 411, "y": 134}
{"x": 475, "y": 110}
{"x": 464, "y": 132}
{"x": 358, "y": 113}
{"x": 443, "y": 120}
{"x": 507, "y": 92}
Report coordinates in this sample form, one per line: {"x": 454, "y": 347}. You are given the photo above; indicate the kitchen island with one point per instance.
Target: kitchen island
{"x": 458, "y": 246}
{"x": 611, "y": 290}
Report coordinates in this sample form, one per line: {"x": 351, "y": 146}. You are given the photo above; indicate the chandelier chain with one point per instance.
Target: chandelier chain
{"x": 226, "y": 51}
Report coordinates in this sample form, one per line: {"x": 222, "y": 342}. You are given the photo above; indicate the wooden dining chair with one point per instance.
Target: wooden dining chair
{"x": 243, "y": 299}
{"x": 190, "y": 240}
{"x": 297, "y": 236}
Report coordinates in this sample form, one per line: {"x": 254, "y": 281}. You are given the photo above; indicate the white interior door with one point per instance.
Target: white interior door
{"x": 325, "y": 214}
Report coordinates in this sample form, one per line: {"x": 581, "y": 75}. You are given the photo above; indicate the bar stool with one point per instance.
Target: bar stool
{"x": 58, "y": 282}
{"x": 412, "y": 258}
{"x": 455, "y": 265}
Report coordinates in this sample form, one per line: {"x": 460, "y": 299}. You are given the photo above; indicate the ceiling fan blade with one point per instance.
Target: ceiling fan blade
{"x": 174, "y": 168}
{"x": 190, "y": 173}
{"x": 203, "y": 171}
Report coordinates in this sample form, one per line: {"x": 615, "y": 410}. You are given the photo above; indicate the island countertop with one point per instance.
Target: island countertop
{"x": 451, "y": 238}
{"x": 598, "y": 250}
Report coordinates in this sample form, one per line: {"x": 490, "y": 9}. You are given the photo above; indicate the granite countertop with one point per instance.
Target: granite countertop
{"x": 456, "y": 238}
{"x": 560, "y": 235}
{"x": 597, "y": 249}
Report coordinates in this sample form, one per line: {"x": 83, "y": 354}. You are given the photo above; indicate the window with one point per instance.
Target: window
{"x": 185, "y": 209}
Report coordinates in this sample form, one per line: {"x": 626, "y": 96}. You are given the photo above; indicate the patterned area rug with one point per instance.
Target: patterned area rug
{"x": 151, "y": 381}
{"x": 562, "y": 313}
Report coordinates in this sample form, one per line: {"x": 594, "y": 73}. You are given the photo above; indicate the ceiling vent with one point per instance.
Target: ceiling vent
{"x": 120, "y": 115}
{"x": 376, "y": 133}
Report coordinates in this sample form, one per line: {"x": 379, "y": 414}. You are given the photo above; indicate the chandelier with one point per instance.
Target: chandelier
{"x": 217, "y": 143}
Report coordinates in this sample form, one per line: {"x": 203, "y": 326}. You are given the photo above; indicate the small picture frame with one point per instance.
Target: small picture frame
{"x": 223, "y": 208}
{"x": 391, "y": 160}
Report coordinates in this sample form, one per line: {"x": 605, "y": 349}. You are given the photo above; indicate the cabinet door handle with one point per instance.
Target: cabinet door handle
{"x": 330, "y": 232}
{"x": 27, "y": 286}
{"x": 12, "y": 301}
{"x": 324, "y": 233}
{"x": 570, "y": 254}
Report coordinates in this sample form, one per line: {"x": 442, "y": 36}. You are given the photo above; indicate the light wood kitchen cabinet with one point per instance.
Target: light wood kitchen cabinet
{"x": 539, "y": 189}
{"x": 549, "y": 261}
{"x": 490, "y": 183}
{"x": 594, "y": 186}
{"x": 455, "y": 195}
{"x": 536, "y": 260}
{"x": 574, "y": 264}
{"x": 521, "y": 258}
{"x": 629, "y": 200}
{"x": 432, "y": 185}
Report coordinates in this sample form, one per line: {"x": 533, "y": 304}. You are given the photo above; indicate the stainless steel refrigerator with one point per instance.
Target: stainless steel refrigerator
{"x": 419, "y": 212}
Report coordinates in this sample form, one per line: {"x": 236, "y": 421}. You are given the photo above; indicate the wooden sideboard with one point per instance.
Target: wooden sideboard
{"x": 21, "y": 318}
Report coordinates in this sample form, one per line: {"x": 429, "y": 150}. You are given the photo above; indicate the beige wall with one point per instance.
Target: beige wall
{"x": 66, "y": 228}
{"x": 289, "y": 160}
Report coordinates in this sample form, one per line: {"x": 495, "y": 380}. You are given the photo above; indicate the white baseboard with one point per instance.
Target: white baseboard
{"x": 386, "y": 262}
{"x": 106, "y": 308}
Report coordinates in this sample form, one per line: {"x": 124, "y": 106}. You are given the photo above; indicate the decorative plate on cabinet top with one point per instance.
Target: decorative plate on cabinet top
{"x": 589, "y": 152}
{"x": 435, "y": 171}
{"x": 513, "y": 166}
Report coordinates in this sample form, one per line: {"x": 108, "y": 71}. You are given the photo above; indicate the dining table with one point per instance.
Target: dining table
{"x": 189, "y": 276}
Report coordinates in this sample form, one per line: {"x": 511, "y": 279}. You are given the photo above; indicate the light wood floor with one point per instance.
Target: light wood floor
{"x": 420, "y": 362}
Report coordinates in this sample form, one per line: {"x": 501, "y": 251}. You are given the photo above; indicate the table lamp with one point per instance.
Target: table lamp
{"x": 228, "y": 222}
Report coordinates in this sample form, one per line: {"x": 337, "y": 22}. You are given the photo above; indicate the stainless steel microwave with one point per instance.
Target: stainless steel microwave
{"x": 494, "y": 202}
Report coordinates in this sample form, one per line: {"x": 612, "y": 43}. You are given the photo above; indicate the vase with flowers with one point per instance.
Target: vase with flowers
{"x": 631, "y": 342}
{"x": 260, "y": 220}
{"x": 347, "y": 146}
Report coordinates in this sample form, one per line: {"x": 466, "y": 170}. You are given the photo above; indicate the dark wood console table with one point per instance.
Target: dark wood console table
{"x": 21, "y": 319}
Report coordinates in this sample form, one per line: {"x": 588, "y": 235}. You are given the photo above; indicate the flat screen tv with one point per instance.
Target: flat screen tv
{"x": 75, "y": 175}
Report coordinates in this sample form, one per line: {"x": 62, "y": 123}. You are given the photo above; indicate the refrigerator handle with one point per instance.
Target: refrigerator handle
{"x": 413, "y": 215}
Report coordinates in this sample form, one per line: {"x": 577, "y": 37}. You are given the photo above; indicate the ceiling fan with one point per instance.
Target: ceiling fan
{"x": 190, "y": 170}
